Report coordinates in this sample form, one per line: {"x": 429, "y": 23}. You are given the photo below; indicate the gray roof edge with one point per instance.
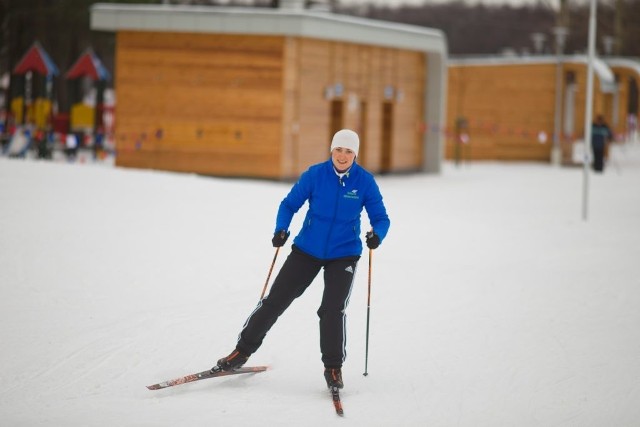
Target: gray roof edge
{"x": 606, "y": 76}
{"x": 503, "y": 60}
{"x": 631, "y": 63}
{"x": 535, "y": 59}
{"x": 264, "y": 21}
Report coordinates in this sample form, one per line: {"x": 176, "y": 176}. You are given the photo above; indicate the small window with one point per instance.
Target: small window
{"x": 570, "y": 77}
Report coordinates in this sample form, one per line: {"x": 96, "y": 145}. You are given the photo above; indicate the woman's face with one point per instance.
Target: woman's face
{"x": 342, "y": 158}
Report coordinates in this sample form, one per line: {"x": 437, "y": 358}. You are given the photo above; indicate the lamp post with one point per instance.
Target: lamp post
{"x": 538, "y": 40}
{"x": 608, "y": 42}
{"x": 589, "y": 109}
{"x": 556, "y": 152}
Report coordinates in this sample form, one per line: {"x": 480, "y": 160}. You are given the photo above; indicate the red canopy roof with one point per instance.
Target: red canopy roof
{"x": 36, "y": 59}
{"x": 88, "y": 65}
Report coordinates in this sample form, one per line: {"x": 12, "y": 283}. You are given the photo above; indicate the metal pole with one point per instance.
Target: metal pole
{"x": 366, "y": 353}
{"x": 588, "y": 110}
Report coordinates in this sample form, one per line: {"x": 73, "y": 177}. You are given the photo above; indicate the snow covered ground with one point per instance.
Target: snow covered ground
{"x": 493, "y": 302}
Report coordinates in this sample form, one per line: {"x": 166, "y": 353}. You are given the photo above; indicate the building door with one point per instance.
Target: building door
{"x": 634, "y": 97}
{"x": 362, "y": 133}
{"x": 387, "y": 132}
{"x": 632, "y": 109}
{"x": 569, "y": 124}
{"x": 337, "y": 107}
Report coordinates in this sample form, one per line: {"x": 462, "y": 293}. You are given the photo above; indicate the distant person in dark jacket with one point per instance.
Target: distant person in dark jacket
{"x": 337, "y": 190}
{"x": 601, "y": 135}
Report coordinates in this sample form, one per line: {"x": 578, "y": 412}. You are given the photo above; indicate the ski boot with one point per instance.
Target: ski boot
{"x": 333, "y": 377}
{"x": 232, "y": 362}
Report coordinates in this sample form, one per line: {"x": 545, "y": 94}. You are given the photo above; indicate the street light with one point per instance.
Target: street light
{"x": 608, "y": 43}
{"x": 589, "y": 109}
{"x": 538, "y": 40}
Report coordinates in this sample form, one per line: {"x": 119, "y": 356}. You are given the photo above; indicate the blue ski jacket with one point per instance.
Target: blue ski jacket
{"x": 331, "y": 228}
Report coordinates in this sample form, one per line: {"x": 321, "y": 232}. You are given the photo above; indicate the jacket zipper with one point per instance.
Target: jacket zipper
{"x": 335, "y": 212}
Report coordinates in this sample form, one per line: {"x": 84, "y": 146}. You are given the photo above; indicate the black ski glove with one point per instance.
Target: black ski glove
{"x": 373, "y": 240}
{"x": 279, "y": 238}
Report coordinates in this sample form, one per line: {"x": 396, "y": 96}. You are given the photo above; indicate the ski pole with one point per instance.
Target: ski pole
{"x": 266, "y": 283}
{"x": 366, "y": 353}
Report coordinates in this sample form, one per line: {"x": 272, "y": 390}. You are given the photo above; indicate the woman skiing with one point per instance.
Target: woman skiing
{"x": 337, "y": 190}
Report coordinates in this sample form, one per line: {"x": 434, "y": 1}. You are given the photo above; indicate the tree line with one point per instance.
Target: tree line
{"x": 494, "y": 29}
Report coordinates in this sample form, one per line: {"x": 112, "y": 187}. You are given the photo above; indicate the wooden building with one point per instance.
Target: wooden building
{"x": 257, "y": 92}
{"x": 508, "y": 108}
{"x": 625, "y": 106}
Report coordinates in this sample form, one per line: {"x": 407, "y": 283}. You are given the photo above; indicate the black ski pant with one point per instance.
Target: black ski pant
{"x": 295, "y": 276}
{"x": 598, "y": 158}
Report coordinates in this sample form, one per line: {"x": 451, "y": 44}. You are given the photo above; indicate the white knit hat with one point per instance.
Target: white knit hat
{"x": 346, "y": 138}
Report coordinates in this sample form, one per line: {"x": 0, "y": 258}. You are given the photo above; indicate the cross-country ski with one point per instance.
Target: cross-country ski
{"x": 337, "y": 403}
{"x": 206, "y": 374}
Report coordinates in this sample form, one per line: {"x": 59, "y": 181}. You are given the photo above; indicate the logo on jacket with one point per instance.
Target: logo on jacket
{"x": 349, "y": 269}
{"x": 353, "y": 194}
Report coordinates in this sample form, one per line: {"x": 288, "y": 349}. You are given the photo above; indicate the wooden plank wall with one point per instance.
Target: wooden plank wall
{"x": 602, "y": 103}
{"x": 258, "y": 106}
{"x": 362, "y": 72}
{"x": 505, "y": 107}
{"x": 407, "y": 153}
{"x": 623, "y": 76}
{"x": 312, "y": 114}
{"x": 203, "y": 103}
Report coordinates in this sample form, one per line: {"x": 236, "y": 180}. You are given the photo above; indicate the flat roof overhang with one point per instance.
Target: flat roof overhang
{"x": 265, "y": 21}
